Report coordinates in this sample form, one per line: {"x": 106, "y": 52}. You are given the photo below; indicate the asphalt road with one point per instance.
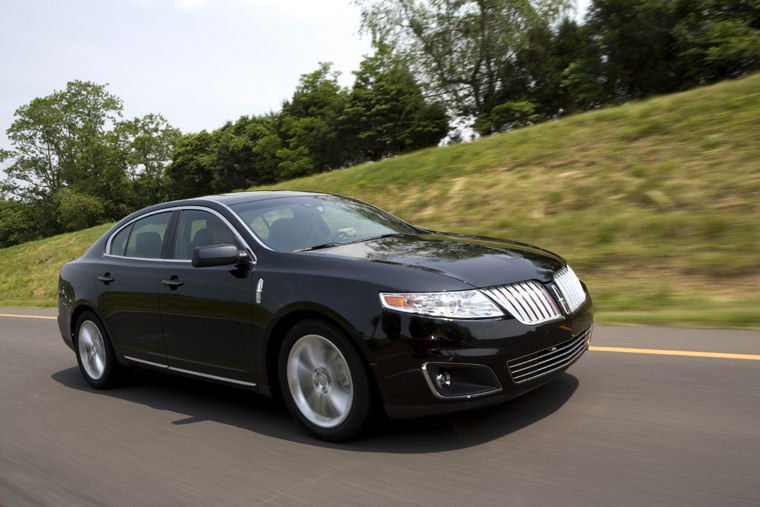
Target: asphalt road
{"x": 616, "y": 429}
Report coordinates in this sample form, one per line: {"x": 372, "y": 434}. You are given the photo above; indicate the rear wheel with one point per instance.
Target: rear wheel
{"x": 323, "y": 380}
{"x": 95, "y": 355}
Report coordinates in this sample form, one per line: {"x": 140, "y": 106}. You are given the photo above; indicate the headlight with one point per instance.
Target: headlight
{"x": 468, "y": 304}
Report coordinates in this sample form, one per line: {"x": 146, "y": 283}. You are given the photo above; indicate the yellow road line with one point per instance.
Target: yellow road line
{"x": 691, "y": 353}
{"x": 27, "y": 316}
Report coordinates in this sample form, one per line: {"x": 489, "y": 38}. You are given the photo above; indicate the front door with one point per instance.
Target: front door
{"x": 207, "y": 312}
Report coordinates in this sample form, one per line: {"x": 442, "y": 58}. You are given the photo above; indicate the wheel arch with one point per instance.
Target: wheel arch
{"x": 86, "y": 306}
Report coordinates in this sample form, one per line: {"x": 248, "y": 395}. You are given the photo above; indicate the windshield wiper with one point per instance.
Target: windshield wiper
{"x": 318, "y": 247}
{"x": 336, "y": 243}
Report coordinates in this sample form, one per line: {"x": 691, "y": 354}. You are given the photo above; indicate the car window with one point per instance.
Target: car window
{"x": 147, "y": 236}
{"x": 297, "y": 223}
{"x": 200, "y": 228}
{"x": 119, "y": 242}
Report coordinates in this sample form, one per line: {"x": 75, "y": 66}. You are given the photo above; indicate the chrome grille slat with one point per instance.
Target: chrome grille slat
{"x": 518, "y": 301}
{"x": 570, "y": 287}
{"x": 544, "y": 362}
{"x": 529, "y": 302}
{"x": 507, "y": 300}
{"x": 561, "y": 349}
{"x": 549, "y": 368}
{"x": 553, "y": 359}
{"x": 529, "y": 297}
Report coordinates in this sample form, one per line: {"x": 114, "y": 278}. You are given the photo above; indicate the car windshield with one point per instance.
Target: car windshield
{"x": 290, "y": 224}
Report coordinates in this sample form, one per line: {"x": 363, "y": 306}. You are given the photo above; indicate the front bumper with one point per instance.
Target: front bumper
{"x": 488, "y": 361}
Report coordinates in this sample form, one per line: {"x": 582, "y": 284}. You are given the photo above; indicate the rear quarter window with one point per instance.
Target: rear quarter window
{"x": 119, "y": 241}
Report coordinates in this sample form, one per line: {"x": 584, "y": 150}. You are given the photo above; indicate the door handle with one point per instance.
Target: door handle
{"x": 106, "y": 279}
{"x": 173, "y": 283}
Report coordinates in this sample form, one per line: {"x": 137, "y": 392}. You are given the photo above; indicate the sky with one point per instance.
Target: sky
{"x": 199, "y": 63}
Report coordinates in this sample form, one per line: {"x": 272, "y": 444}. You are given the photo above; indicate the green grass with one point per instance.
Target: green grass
{"x": 29, "y": 272}
{"x": 656, "y": 204}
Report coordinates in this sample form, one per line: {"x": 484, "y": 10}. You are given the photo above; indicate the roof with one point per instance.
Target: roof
{"x": 238, "y": 197}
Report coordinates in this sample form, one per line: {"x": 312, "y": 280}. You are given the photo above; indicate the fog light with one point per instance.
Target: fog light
{"x": 443, "y": 379}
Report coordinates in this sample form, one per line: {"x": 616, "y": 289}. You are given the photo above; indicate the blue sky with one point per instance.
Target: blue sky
{"x": 196, "y": 62}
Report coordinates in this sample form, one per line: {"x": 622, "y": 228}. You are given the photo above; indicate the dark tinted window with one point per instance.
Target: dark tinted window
{"x": 119, "y": 242}
{"x": 147, "y": 236}
{"x": 200, "y": 228}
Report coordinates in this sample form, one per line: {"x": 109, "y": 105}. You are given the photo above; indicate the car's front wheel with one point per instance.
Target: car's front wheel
{"x": 95, "y": 354}
{"x": 323, "y": 380}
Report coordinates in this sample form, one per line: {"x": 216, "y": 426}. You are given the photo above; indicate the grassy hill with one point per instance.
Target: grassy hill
{"x": 656, "y": 204}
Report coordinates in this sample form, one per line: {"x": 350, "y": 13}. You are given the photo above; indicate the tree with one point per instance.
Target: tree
{"x": 193, "y": 163}
{"x": 62, "y": 155}
{"x": 59, "y": 141}
{"x": 147, "y": 144}
{"x": 245, "y": 153}
{"x": 464, "y": 48}
{"x": 717, "y": 39}
{"x": 584, "y": 83}
{"x": 387, "y": 113}
{"x": 17, "y": 222}
{"x": 636, "y": 39}
{"x": 532, "y": 82}
{"x": 309, "y": 126}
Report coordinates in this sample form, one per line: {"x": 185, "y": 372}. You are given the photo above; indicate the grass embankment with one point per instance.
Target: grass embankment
{"x": 656, "y": 204}
{"x": 29, "y": 272}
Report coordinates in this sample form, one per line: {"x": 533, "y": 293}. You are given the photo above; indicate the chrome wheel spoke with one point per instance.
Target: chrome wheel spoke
{"x": 304, "y": 373}
{"x": 338, "y": 401}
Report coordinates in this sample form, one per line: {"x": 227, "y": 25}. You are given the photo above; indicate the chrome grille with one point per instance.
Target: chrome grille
{"x": 529, "y": 302}
{"x": 544, "y": 362}
{"x": 570, "y": 287}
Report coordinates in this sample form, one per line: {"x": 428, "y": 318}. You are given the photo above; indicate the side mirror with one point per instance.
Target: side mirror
{"x": 219, "y": 255}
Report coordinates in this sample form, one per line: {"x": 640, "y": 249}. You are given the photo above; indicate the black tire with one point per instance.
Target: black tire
{"x": 331, "y": 397}
{"x": 95, "y": 355}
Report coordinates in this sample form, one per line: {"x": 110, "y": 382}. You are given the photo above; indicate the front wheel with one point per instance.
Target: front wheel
{"x": 95, "y": 354}
{"x": 323, "y": 381}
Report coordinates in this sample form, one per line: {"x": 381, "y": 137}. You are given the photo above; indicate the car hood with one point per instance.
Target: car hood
{"x": 477, "y": 261}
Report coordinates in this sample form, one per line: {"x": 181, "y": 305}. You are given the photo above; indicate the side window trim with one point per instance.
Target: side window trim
{"x": 171, "y": 231}
{"x": 109, "y": 243}
{"x": 171, "y": 235}
{"x": 182, "y": 213}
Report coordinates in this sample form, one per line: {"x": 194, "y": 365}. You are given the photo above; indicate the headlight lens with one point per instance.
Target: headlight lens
{"x": 468, "y": 304}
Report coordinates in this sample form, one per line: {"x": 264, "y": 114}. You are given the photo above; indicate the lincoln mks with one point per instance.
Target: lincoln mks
{"x": 331, "y": 304}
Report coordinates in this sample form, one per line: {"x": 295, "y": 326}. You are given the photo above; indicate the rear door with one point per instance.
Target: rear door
{"x": 128, "y": 288}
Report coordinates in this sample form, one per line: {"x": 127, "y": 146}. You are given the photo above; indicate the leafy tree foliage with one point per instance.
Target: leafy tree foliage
{"x": 647, "y": 47}
{"x": 192, "y": 168}
{"x": 387, "y": 113}
{"x": 309, "y": 126}
{"x": 17, "y": 222}
{"x": 465, "y": 48}
{"x": 717, "y": 39}
{"x": 60, "y": 141}
{"x": 322, "y": 127}
{"x": 532, "y": 82}
{"x": 75, "y": 164}
{"x": 508, "y": 64}
{"x": 147, "y": 144}
{"x": 77, "y": 211}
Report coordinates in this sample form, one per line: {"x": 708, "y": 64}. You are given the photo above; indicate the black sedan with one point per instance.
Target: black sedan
{"x": 327, "y": 302}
